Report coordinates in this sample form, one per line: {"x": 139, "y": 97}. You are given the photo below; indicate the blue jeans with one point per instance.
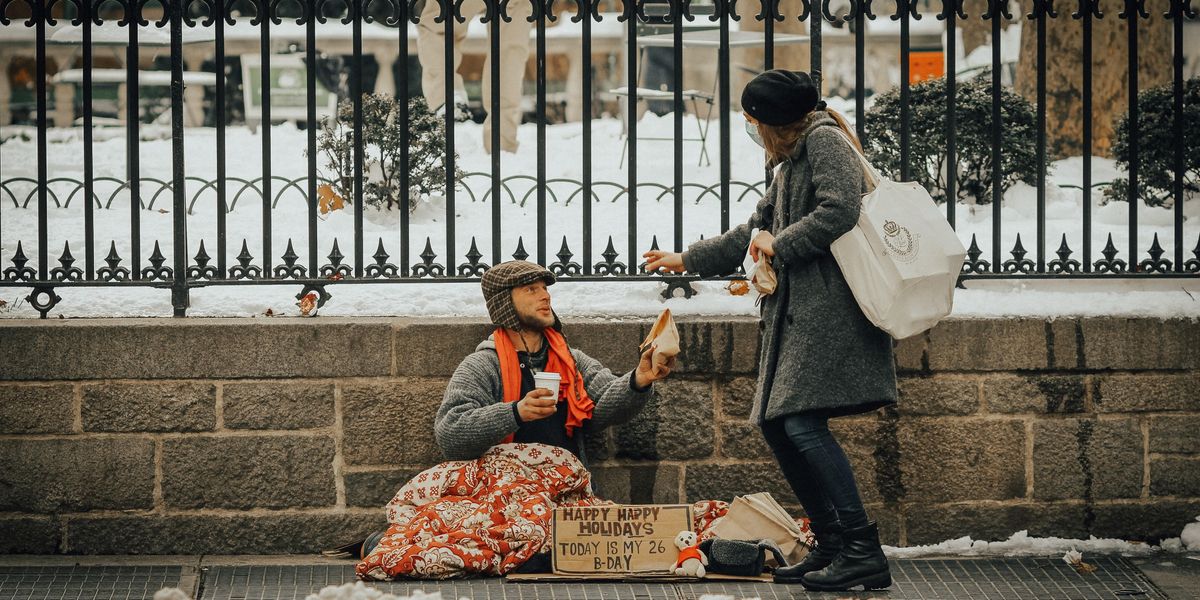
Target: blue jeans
{"x": 817, "y": 470}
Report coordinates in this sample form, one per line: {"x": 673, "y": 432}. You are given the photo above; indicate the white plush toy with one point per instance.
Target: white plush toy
{"x": 691, "y": 561}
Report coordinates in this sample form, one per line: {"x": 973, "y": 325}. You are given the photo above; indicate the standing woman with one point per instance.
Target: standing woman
{"x": 821, "y": 357}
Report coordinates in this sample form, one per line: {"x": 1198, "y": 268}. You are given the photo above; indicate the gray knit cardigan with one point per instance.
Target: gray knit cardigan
{"x": 473, "y": 416}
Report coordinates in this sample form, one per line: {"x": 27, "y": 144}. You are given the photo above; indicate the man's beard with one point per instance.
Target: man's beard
{"x": 536, "y": 322}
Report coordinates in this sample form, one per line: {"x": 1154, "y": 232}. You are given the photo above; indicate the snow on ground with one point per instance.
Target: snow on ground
{"x": 1021, "y": 544}
{"x": 473, "y": 219}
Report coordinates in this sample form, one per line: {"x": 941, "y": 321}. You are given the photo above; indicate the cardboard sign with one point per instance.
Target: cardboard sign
{"x": 623, "y": 539}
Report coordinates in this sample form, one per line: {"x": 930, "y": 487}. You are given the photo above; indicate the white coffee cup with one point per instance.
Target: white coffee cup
{"x": 547, "y": 380}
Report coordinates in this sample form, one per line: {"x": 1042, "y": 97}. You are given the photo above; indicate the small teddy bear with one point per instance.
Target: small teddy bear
{"x": 691, "y": 561}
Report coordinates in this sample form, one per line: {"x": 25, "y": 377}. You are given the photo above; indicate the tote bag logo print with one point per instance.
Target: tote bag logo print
{"x": 903, "y": 244}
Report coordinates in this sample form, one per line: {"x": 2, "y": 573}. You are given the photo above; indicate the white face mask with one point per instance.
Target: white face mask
{"x": 752, "y": 131}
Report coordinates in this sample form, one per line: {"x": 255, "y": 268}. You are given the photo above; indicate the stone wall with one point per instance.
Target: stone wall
{"x": 288, "y": 435}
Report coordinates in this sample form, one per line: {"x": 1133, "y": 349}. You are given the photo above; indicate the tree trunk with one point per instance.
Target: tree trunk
{"x": 976, "y": 31}
{"x": 1110, "y": 72}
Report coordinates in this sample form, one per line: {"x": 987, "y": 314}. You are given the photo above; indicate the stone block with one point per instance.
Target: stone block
{"x": 277, "y": 405}
{"x": 1087, "y": 458}
{"x": 1040, "y": 394}
{"x": 724, "y": 481}
{"x": 71, "y": 475}
{"x": 737, "y": 397}
{"x": 951, "y": 460}
{"x": 36, "y": 408}
{"x": 248, "y": 472}
{"x": 1175, "y": 476}
{"x": 1065, "y": 342}
{"x": 934, "y": 523}
{"x": 711, "y": 346}
{"x": 434, "y": 347}
{"x": 124, "y": 407}
{"x": 374, "y": 489}
{"x": 613, "y": 343}
{"x": 677, "y": 423}
{"x": 641, "y": 484}
{"x": 29, "y": 535}
{"x": 599, "y": 445}
{"x": 168, "y": 349}
{"x": 910, "y": 353}
{"x": 1175, "y": 434}
{"x": 391, "y": 422}
{"x": 279, "y": 533}
{"x": 987, "y": 345}
{"x": 866, "y": 442}
{"x": 1149, "y": 520}
{"x": 744, "y": 441}
{"x": 1141, "y": 343}
{"x": 937, "y": 396}
{"x": 1147, "y": 392}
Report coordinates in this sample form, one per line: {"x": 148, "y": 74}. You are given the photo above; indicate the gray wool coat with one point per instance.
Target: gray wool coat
{"x": 819, "y": 352}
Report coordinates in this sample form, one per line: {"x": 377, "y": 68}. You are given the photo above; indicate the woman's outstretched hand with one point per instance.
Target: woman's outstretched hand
{"x": 763, "y": 242}
{"x": 659, "y": 259}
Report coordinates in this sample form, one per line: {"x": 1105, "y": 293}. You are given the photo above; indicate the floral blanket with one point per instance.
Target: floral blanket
{"x": 486, "y": 516}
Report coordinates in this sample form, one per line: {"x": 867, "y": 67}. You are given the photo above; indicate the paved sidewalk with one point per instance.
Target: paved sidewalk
{"x": 1173, "y": 577}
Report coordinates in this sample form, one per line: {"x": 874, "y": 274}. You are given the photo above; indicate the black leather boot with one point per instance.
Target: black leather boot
{"x": 861, "y": 562}
{"x": 829, "y": 544}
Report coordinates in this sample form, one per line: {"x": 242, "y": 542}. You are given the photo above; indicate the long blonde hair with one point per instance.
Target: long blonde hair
{"x": 780, "y": 140}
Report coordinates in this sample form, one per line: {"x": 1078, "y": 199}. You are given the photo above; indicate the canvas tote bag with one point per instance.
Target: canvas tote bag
{"x": 901, "y": 259}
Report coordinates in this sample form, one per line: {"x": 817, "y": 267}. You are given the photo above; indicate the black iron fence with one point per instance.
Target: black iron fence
{"x": 645, "y": 209}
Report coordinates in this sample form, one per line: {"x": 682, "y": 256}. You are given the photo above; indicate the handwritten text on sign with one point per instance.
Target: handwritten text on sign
{"x": 618, "y": 539}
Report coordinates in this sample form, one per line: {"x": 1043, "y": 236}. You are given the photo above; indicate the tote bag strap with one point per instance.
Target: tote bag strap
{"x": 872, "y": 176}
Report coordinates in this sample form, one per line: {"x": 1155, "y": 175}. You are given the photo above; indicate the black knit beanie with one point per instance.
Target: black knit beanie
{"x": 779, "y": 97}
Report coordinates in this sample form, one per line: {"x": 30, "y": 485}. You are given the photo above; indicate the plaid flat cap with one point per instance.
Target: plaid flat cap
{"x": 498, "y": 283}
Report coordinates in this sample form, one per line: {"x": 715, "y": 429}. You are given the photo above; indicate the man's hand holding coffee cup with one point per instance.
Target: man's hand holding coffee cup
{"x": 539, "y": 403}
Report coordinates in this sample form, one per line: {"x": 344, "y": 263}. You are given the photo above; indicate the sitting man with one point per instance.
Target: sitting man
{"x": 491, "y": 398}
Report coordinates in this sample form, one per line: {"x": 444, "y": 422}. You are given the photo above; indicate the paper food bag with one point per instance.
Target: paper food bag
{"x": 760, "y": 273}
{"x": 759, "y": 516}
{"x": 665, "y": 338}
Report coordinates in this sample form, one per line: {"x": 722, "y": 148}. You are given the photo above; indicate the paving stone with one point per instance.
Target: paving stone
{"x": 1150, "y": 520}
{"x": 945, "y": 460}
{"x": 280, "y": 533}
{"x": 151, "y": 407}
{"x": 937, "y": 396}
{"x": 638, "y": 484}
{"x": 708, "y": 346}
{"x": 744, "y": 441}
{"x": 1066, "y": 337}
{"x": 391, "y": 422}
{"x": 987, "y": 345}
{"x": 1175, "y": 434}
{"x": 724, "y": 481}
{"x": 374, "y": 489}
{"x": 677, "y": 423}
{"x": 248, "y": 472}
{"x": 1175, "y": 476}
{"x": 29, "y": 535}
{"x": 1044, "y": 394}
{"x": 278, "y": 405}
{"x": 434, "y": 347}
{"x": 73, "y": 475}
{"x": 1147, "y": 392}
{"x": 934, "y": 523}
{"x": 910, "y": 353}
{"x": 1087, "y": 458}
{"x": 1141, "y": 343}
{"x": 36, "y": 408}
{"x": 166, "y": 348}
{"x": 737, "y": 397}
{"x": 613, "y": 343}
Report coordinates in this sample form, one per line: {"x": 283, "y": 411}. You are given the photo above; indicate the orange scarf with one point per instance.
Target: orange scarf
{"x": 560, "y": 360}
